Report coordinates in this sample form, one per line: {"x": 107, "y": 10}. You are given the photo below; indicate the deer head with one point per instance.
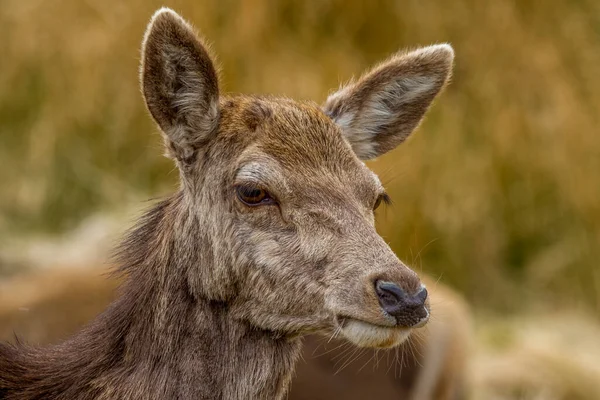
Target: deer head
{"x": 277, "y": 204}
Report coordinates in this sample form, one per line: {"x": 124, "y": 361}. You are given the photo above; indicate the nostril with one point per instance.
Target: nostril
{"x": 390, "y": 295}
{"x": 421, "y": 313}
{"x": 422, "y": 295}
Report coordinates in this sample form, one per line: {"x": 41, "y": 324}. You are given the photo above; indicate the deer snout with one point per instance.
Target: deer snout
{"x": 409, "y": 309}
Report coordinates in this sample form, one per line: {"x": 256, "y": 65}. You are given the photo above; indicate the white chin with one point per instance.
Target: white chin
{"x": 364, "y": 334}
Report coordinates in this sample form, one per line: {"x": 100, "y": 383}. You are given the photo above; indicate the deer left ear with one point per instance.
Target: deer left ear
{"x": 381, "y": 109}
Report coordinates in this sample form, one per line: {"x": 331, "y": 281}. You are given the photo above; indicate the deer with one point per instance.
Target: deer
{"x": 270, "y": 237}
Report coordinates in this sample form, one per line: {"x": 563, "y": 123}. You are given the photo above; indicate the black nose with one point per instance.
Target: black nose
{"x": 409, "y": 310}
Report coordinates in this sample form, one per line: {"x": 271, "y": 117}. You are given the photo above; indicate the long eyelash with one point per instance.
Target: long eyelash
{"x": 387, "y": 200}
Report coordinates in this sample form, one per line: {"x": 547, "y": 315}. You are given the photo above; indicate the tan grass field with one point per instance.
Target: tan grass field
{"x": 498, "y": 194}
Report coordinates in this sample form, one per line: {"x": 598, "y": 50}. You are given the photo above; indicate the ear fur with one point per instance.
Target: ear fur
{"x": 381, "y": 109}
{"x": 180, "y": 84}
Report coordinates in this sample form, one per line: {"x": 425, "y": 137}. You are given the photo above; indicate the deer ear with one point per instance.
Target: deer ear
{"x": 179, "y": 83}
{"x": 379, "y": 111}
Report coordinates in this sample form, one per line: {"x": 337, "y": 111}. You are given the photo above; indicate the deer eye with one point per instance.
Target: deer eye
{"x": 253, "y": 196}
{"x": 377, "y": 203}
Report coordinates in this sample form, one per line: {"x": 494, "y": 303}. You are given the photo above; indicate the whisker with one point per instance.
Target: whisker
{"x": 344, "y": 352}
{"x": 330, "y": 350}
{"x": 415, "y": 354}
{"x": 335, "y": 333}
{"x": 424, "y": 247}
{"x": 376, "y": 365}
{"x": 388, "y": 361}
{"x": 438, "y": 279}
{"x": 344, "y": 360}
{"x": 360, "y": 353}
{"x": 396, "y": 362}
{"x": 365, "y": 364}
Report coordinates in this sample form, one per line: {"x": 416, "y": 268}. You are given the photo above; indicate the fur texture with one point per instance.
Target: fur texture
{"x": 218, "y": 292}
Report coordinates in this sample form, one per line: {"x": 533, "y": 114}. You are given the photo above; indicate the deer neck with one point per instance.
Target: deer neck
{"x": 200, "y": 352}
{"x": 193, "y": 342}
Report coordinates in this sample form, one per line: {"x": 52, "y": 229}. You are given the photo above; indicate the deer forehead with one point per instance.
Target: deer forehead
{"x": 291, "y": 143}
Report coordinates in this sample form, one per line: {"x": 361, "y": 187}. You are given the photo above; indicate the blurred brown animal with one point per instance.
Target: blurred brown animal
{"x": 45, "y": 307}
{"x": 270, "y": 237}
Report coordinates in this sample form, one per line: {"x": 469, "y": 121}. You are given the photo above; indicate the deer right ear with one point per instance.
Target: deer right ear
{"x": 381, "y": 109}
{"x": 179, "y": 83}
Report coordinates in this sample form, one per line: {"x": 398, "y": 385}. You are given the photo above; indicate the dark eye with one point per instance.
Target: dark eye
{"x": 383, "y": 198}
{"x": 377, "y": 203}
{"x": 253, "y": 196}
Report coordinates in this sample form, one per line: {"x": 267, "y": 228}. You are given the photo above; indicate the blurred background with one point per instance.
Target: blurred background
{"x": 497, "y": 195}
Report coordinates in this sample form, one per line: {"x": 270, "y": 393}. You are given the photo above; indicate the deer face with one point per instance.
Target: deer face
{"x": 282, "y": 201}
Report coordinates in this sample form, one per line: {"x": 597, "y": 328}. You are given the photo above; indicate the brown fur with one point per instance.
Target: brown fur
{"x": 218, "y": 293}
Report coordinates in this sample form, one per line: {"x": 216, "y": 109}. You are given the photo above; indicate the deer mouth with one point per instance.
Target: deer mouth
{"x": 365, "y": 334}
